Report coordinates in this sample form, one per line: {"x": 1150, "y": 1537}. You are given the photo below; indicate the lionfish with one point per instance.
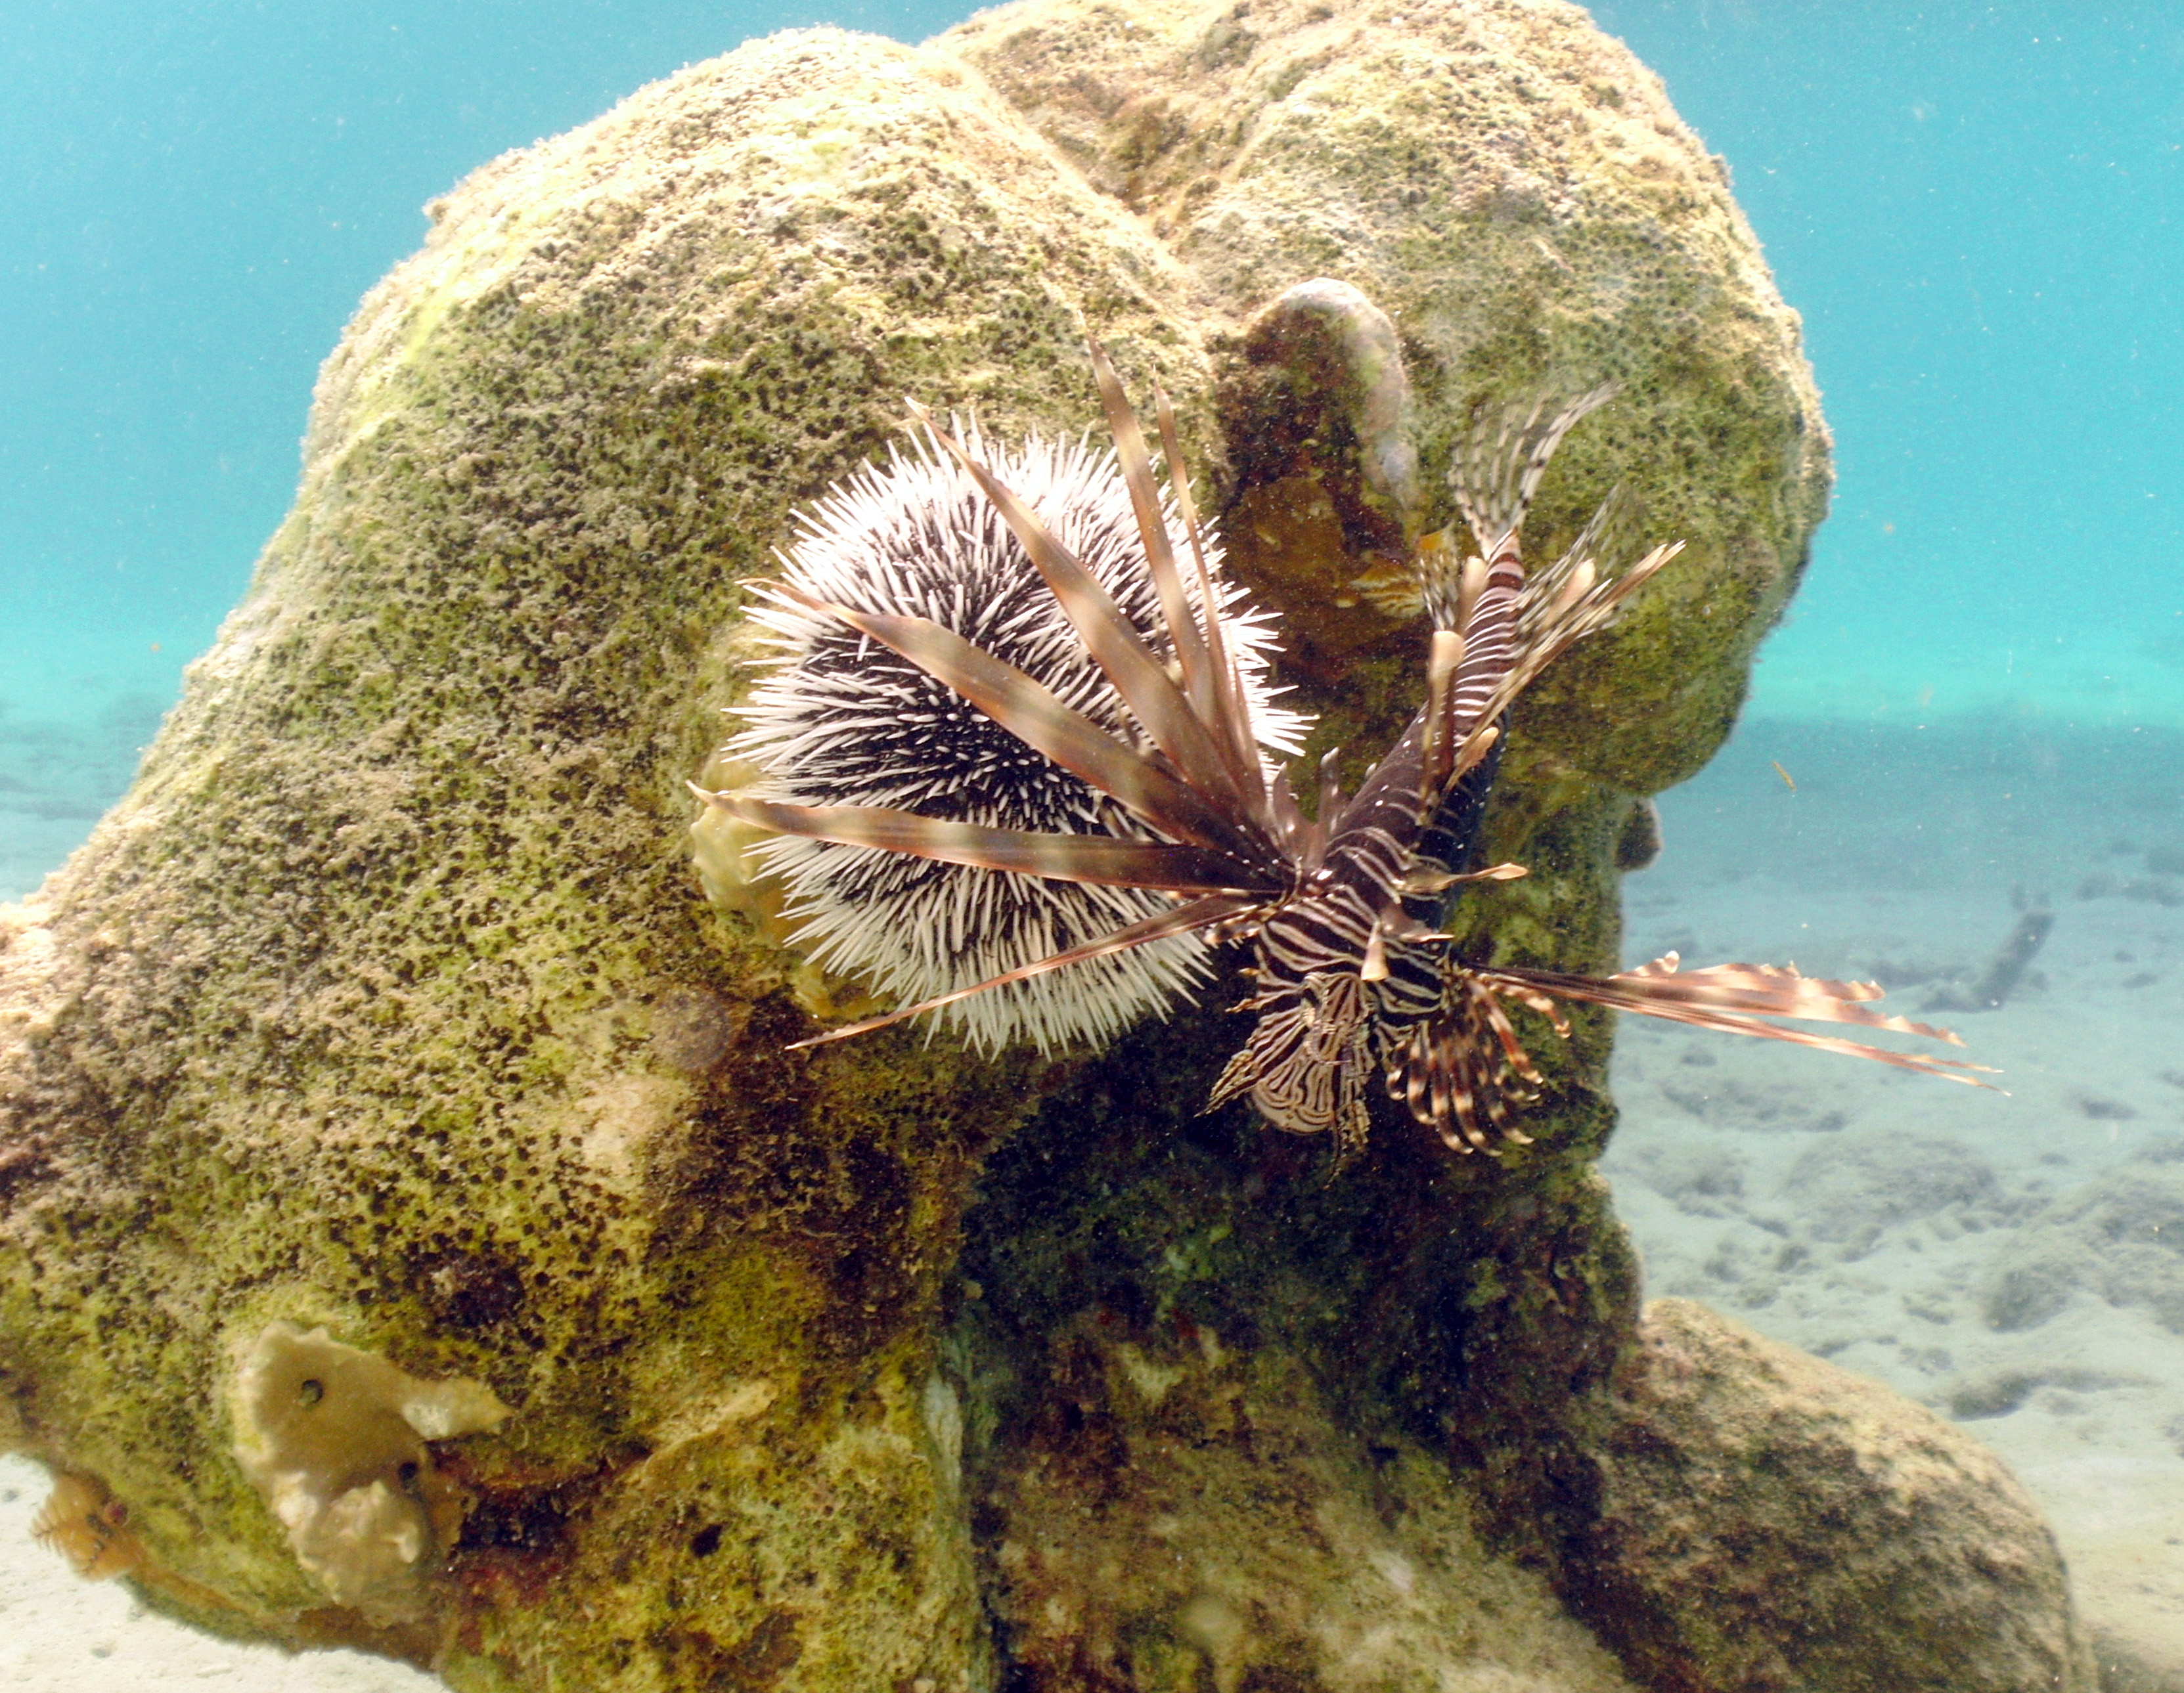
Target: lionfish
{"x": 1075, "y": 765}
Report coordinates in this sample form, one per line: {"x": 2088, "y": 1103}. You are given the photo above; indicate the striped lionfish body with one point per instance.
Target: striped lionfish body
{"x": 1358, "y": 962}
{"x": 1147, "y": 728}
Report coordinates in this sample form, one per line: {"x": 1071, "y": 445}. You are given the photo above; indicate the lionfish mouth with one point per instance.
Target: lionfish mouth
{"x": 1021, "y": 769}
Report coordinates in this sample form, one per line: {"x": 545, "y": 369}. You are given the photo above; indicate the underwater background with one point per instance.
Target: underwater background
{"x": 1974, "y": 712}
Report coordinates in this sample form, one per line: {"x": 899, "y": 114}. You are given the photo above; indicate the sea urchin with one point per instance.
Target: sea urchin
{"x": 841, "y": 720}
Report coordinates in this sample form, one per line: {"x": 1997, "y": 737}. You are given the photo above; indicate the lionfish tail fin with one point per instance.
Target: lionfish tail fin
{"x": 1608, "y": 536}
{"x": 1498, "y": 465}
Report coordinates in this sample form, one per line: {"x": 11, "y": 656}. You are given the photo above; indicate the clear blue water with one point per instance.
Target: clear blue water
{"x": 1976, "y": 207}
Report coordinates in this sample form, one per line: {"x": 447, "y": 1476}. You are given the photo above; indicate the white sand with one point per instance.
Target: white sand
{"x": 1867, "y": 1214}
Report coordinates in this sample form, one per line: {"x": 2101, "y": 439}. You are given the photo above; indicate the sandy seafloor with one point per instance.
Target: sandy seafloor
{"x": 2015, "y": 1262}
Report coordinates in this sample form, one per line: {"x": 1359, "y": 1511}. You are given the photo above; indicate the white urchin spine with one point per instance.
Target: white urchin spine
{"x": 840, "y": 719}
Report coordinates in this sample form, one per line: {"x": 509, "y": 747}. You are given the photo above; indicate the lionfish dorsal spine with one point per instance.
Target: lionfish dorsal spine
{"x": 1154, "y": 698}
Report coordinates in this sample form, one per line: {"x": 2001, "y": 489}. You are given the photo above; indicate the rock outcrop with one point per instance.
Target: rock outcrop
{"x": 387, "y": 1002}
{"x": 1769, "y": 1521}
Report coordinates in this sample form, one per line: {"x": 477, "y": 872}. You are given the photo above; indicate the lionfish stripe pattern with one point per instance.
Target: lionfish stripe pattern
{"x": 1352, "y": 973}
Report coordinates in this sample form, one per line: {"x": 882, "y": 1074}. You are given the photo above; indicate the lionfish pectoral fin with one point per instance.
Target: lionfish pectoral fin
{"x": 1104, "y": 859}
{"x": 1198, "y": 914}
{"x": 1737, "y": 1000}
{"x": 1184, "y": 634}
{"x": 1441, "y": 1077}
{"x": 1462, "y": 1071}
{"x": 1036, "y": 716}
{"x": 1234, "y": 712}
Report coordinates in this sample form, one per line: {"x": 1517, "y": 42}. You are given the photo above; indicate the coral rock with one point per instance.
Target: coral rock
{"x": 388, "y": 1004}
{"x": 1771, "y": 1521}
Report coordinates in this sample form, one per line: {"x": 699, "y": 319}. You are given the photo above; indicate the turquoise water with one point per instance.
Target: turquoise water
{"x": 1974, "y": 207}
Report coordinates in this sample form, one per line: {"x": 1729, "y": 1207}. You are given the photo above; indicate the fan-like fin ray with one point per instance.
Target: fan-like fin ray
{"x": 1736, "y": 1009}
{"x": 1137, "y": 467}
{"x": 1105, "y": 860}
{"x": 1602, "y": 537}
{"x": 1036, "y": 716}
{"x": 1198, "y": 914}
{"x": 1140, "y": 678}
{"x": 1597, "y": 608}
{"x": 1774, "y": 991}
{"x": 1438, "y": 756}
{"x": 1495, "y": 477}
{"x": 1233, "y": 713}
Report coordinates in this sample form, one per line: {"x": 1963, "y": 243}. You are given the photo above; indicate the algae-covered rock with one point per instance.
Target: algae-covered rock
{"x": 1772, "y": 1522}
{"x": 387, "y": 1003}
{"x": 1512, "y": 189}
